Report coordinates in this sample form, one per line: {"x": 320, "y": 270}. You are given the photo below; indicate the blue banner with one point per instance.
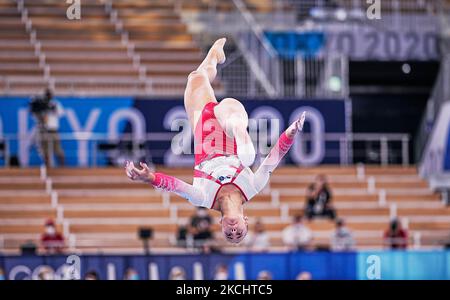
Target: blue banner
{"x": 447, "y": 151}
{"x": 436, "y": 155}
{"x": 86, "y": 122}
{"x": 404, "y": 265}
{"x": 244, "y": 266}
{"x": 289, "y": 44}
{"x": 363, "y": 265}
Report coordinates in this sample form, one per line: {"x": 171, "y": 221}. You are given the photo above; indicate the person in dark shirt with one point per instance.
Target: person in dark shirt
{"x": 182, "y": 236}
{"x": 310, "y": 201}
{"x": 200, "y": 226}
{"x": 318, "y": 199}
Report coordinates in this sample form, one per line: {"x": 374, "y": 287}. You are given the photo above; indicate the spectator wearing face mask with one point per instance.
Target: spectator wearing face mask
{"x": 131, "y": 274}
{"x": 297, "y": 236}
{"x": 51, "y": 240}
{"x": 258, "y": 240}
{"x": 342, "y": 238}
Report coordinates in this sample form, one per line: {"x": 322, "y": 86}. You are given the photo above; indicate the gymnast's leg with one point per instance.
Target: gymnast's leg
{"x": 233, "y": 118}
{"x": 198, "y": 90}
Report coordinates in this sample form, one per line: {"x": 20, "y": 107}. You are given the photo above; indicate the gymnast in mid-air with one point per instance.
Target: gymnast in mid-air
{"x": 223, "y": 151}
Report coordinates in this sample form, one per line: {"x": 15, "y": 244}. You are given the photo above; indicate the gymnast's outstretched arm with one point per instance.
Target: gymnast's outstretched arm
{"x": 278, "y": 151}
{"x": 165, "y": 182}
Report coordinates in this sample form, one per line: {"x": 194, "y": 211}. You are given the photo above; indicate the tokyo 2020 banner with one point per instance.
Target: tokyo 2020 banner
{"x": 163, "y": 132}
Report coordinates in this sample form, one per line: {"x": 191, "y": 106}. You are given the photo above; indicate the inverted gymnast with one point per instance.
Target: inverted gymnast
{"x": 223, "y": 150}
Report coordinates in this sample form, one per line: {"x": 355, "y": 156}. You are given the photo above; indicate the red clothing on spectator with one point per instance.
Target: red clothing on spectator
{"x": 53, "y": 242}
{"x": 397, "y": 239}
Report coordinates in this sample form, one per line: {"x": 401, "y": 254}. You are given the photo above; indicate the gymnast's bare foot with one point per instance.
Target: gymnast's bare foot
{"x": 217, "y": 50}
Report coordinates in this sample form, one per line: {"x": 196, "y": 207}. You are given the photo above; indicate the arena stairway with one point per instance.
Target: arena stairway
{"x": 100, "y": 210}
{"x": 126, "y": 48}
{"x": 85, "y": 56}
{"x": 20, "y": 70}
{"x": 161, "y": 39}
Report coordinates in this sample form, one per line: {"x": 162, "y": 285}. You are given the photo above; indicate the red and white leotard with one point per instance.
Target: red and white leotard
{"x": 210, "y": 140}
{"x": 217, "y": 165}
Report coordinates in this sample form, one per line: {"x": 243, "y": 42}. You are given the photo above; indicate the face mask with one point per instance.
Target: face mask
{"x": 50, "y": 230}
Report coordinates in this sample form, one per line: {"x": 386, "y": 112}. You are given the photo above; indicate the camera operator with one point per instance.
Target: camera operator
{"x": 47, "y": 112}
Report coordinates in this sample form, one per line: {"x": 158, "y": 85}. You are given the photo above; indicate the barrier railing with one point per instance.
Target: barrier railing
{"x": 261, "y": 57}
{"x": 357, "y": 8}
{"x": 90, "y": 149}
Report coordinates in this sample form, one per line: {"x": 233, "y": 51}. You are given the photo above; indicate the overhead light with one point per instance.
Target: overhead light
{"x": 340, "y": 14}
{"x": 318, "y": 13}
{"x": 356, "y": 14}
{"x": 406, "y": 68}
{"x": 335, "y": 84}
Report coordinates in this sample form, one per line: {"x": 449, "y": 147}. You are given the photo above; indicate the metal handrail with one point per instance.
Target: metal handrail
{"x": 345, "y": 153}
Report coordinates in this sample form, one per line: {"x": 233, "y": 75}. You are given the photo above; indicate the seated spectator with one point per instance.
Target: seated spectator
{"x": 259, "y": 239}
{"x": 182, "y": 236}
{"x": 297, "y": 236}
{"x": 131, "y": 274}
{"x": 28, "y": 248}
{"x": 200, "y": 227}
{"x": 318, "y": 199}
{"x": 91, "y": 275}
{"x": 51, "y": 240}
{"x": 264, "y": 275}
{"x": 396, "y": 237}
{"x": 221, "y": 272}
{"x": 342, "y": 238}
{"x": 310, "y": 197}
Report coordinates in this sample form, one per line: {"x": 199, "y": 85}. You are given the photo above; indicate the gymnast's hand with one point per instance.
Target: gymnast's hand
{"x": 296, "y": 126}
{"x": 144, "y": 174}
